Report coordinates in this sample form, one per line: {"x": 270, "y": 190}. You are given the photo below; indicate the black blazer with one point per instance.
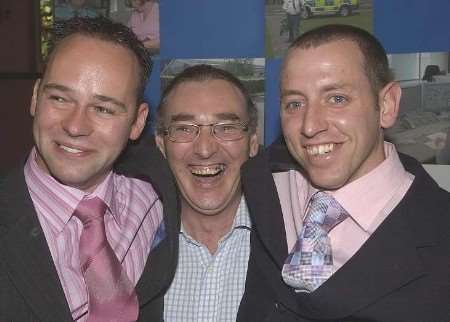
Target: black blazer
{"x": 402, "y": 272}
{"x": 30, "y": 289}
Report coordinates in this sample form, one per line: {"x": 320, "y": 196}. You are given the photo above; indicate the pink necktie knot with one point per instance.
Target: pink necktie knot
{"x": 90, "y": 209}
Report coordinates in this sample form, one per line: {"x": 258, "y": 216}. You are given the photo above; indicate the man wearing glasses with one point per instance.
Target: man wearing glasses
{"x": 206, "y": 129}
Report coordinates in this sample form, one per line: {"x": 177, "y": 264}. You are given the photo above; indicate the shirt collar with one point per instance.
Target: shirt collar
{"x": 64, "y": 199}
{"x": 241, "y": 220}
{"x": 375, "y": 188}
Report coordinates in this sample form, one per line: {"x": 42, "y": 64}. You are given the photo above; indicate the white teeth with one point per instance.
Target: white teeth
{"x": 320, "y": 149}
{"x": 70, "y": 150}
{"x": 208, "y": 171}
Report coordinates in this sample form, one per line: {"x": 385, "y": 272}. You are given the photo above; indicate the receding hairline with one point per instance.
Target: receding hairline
{"x": 204, "y": 81}
{"x": 66, "y": 42}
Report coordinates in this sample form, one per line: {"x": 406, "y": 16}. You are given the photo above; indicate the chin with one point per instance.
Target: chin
{"x": 326, "y": 183}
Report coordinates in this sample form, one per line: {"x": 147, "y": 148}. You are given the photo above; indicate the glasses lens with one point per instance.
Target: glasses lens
{"x": 229, "y": 132}
{"x": 182, "y": 132}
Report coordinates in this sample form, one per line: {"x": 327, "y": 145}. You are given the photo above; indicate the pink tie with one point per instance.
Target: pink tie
{"x": 110, "y": 292}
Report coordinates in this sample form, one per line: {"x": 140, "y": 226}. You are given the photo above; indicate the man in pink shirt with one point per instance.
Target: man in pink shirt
{"x": 144, "y": 21}
{"x": 86, "y": 107}
{"x": 387, "y": 259}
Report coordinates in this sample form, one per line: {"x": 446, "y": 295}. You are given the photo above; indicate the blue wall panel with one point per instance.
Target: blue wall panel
{"x": 212, "y": 28}
{"x": 235, "y": 28}
{"x": 412, "y": 25}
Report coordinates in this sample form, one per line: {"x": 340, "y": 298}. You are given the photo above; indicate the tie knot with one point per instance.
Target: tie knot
{"x": 90, "y": 209}
{"x": 325, "y": 211}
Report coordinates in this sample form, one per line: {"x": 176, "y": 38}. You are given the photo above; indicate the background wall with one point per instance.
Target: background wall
{"x": 232, "y": 28}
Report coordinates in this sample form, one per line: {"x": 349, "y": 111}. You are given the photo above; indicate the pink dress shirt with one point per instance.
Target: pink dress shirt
{"x": 133, "y": 215}
{"x": 382, "y": 188}
{"x": 145, "y": 28}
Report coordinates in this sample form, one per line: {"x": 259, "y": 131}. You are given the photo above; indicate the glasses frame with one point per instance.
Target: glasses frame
{"x": 212, "y": 132}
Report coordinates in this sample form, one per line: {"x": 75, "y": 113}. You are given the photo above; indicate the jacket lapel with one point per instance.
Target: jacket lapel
{"x": 268, "y": 242}
{"x": 144, "y": 161}
{"x": 26, "y": 254}
{"x": 264, "y": 206}
{"x": 387, "y": 261}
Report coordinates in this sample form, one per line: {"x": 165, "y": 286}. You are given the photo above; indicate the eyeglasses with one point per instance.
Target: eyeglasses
{"x": 185, "y": 132}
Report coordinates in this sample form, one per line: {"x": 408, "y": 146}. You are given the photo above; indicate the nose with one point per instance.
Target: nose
{"x": 76, "y": 122}
{"x": 206, "y": 144}
{"x": 314, "y": 120}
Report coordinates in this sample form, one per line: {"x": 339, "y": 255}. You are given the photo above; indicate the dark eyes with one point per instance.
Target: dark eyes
{"x": 104, "y": 110}
{"x": 338, "y": 99}
{"x": 293, "y": 106}
{"x": 57, "y": 98}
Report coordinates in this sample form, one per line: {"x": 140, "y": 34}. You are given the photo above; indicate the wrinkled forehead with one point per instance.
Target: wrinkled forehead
{"x": 216, "y": 99}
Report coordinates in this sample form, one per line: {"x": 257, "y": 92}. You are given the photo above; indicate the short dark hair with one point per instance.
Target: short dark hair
{"x": 204, "y": 72}
{"x": 105, "y": 29}
{"x": 375, "y": 62}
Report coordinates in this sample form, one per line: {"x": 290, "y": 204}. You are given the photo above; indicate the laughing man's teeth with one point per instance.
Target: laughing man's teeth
{"x": 208, "y": 171}
{"x": 320, "y": 149}
{"x": 70, "y": 150}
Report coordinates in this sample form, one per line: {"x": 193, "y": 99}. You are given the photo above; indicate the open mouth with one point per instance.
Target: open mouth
{"x": 208, "y": 171}
{"x": 320, "y": 149}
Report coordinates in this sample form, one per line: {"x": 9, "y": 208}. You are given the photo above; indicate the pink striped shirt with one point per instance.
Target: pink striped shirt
{"x": 133, "y": 215}
{"x": 368, "y": 200}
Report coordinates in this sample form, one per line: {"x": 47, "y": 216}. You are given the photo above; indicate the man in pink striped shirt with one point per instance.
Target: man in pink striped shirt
{"x": 86, "y": 106}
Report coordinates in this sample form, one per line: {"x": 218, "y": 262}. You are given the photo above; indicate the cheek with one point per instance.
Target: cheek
{"x": 291, "y": 128}
{"x": 112, "y": 130}
{"x": 176, "y": 153}
{"x": 237, "y": 151}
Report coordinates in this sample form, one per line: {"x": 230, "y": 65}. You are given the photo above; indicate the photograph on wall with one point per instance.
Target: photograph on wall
{"x": 422, "y": 129}
{"x": 287, "y": 19}
{"x": 142, "y": 16}
{"x": 250, "y": 71}
{"x": 66, "y": 9}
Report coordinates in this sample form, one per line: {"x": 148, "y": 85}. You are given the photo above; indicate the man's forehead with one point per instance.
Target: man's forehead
{"x": 345, "y": 47}
{"x": 223, "y": 116}
{"x": 338, "y": 53}
{"x": 216, "y": 98}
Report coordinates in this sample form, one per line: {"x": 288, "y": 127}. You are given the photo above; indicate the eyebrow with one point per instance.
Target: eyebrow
{"x": 190, "y": 117}
{"x": 57, "y": 87}
{"x": 335, "y": 86}
{"x": 102, "y": 98}
{"x": 291, "y": 92}
{"x": 108, "y": 99}
{"x": 326, "y": 88}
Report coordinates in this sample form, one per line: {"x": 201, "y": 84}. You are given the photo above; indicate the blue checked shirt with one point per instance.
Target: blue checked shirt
{"x": 206, "y": 287}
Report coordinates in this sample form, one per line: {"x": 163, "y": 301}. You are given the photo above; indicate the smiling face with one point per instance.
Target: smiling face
{"x": 331, "y": 120}
{"x": 207, "y": 170}
{"x": 85, "y": 110}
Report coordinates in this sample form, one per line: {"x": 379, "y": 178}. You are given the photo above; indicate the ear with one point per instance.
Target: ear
{"x": 254, "y": 146}
{"x": 34, "y": 98}
{"x": 139, "y": 122}
{"x": 159, "y": 139}
{"x": 389, "y": 104}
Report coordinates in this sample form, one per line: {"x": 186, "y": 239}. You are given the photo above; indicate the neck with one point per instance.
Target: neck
{"x": 208, "y": 229}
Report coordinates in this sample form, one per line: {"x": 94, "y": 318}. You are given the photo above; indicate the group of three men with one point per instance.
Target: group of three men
{"x": 251, "y": 236}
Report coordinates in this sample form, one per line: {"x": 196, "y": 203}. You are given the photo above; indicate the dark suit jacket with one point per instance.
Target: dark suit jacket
{"x": 402, "y": 272}
{"x": 30, "y": 289}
